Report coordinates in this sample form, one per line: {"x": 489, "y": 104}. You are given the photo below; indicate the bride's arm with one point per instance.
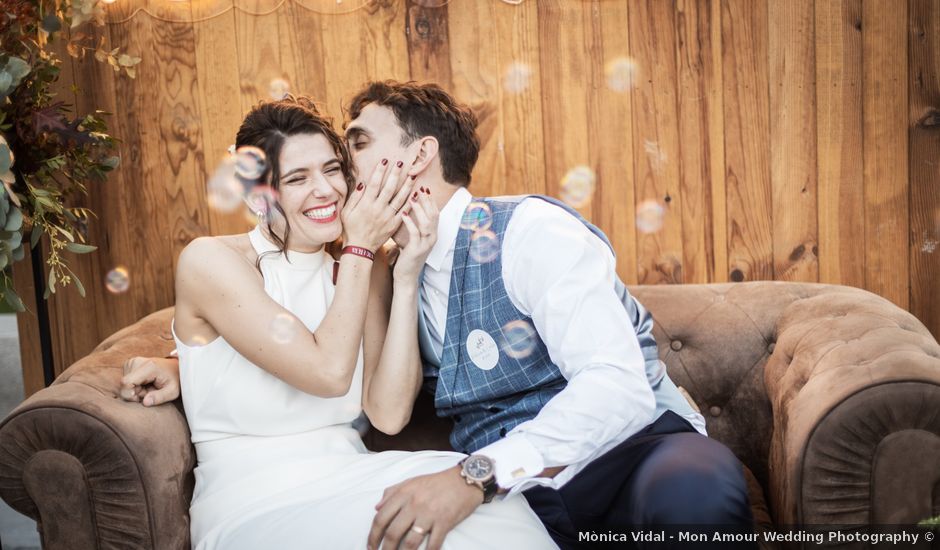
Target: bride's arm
{"x": 392, "y": 361}
{"x": 392, "y": 380}
{"x": 216, "y": 285}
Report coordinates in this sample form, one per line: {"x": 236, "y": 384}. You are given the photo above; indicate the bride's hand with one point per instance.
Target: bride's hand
{"x": 150, "y": 380}
{"x": 371, "y": 214}
{"x": 421, "y": 225}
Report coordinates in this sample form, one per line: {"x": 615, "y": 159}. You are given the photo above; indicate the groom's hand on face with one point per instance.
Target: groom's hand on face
{"x": 434, "y": 504}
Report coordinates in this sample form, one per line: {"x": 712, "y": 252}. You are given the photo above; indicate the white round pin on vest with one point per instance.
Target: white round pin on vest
{"x": 482, "y": 349}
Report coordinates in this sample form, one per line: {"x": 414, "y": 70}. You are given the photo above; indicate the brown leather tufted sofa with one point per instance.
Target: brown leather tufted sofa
{"x": 829, "y": 395}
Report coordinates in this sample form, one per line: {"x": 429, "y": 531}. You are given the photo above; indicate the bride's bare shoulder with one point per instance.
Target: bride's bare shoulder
{"x": 218, "y": 252}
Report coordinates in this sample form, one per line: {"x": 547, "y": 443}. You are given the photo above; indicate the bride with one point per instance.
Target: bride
{"x": 281, "y": 347}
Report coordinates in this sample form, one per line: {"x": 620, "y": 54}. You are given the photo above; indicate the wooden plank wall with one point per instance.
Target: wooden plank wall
{"x": 792, "y": 140}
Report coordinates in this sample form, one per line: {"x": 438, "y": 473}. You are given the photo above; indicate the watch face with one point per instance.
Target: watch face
{"x": 478, "y": 468}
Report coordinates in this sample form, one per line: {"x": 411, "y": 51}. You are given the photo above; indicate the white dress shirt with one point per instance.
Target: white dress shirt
{"x": 560, "y": 274}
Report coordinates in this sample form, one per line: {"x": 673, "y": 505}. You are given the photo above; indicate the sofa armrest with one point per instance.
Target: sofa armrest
{"x": 96, "y": 471}
{"x": 854, "y": 383}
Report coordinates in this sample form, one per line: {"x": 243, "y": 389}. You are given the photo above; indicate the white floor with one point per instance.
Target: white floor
{"x": 17, "y": 532}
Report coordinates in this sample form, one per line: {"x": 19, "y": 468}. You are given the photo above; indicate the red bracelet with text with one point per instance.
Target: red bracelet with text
{"x": 359, "y": 251}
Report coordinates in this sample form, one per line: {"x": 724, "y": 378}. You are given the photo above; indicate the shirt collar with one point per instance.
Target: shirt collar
{"x": 448, "y": 226}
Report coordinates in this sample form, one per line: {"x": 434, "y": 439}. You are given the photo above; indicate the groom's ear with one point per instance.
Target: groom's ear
{"x": 427, "y": 149}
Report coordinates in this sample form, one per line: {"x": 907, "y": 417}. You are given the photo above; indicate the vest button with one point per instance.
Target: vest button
{"x": 502, "y": 432}
{"x": 676, "y": 345}
{"x": 715, "y": 410}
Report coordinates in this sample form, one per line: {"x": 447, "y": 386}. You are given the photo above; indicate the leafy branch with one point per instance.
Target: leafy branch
{"x": 49, "y": 157}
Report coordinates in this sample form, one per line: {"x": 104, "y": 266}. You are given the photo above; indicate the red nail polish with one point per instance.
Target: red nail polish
{"x": 400, "y": 164}
{"x": 414, "y": 177}
{"x": 384, "y": 162}
{"x": 359, "y": 187}
{"x": 415, "y": 196}
{"x": 428, "y": 191}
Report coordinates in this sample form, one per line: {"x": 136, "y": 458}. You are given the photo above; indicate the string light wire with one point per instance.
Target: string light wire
{"x": 232, "y": 7}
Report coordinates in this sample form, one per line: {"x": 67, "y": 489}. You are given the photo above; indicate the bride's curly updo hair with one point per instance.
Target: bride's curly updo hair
{"x": 269, "y": 123}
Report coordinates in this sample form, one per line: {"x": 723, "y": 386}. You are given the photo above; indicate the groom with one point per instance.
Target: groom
{"x": 534, "y": 348}
{"x": 537, "y": 352}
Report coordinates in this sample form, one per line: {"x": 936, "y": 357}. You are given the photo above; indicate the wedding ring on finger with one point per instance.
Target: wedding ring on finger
{"x": 419, "y": 530}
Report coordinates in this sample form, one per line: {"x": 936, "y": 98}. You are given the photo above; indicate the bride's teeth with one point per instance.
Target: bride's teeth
{"x": 321, "y": 213}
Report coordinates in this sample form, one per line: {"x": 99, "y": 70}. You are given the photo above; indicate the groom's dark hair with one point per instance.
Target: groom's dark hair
{"x": 427, "y": 110}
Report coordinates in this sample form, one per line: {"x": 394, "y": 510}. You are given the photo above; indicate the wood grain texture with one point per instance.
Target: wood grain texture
{"x": 839, "y": 145}
{"x": 793, "y": 136}
{"x": 924, "y": 48}
{"x": 700, "y": 139}
{"x": 610, "y": 123}
{"x": 473, "y": 69}
{"x": 217, "y": 91}
{"x": 428, "y": 43}
{"x": 794, "y": 140}
{"x": 520, "y": 145}
{"x": 378, "y": 51}
{"x": 564, "y": 80}
{"x": 656, "y": 139}
{"x": 27, "y": 326}
{"x": 747, "y": 173}
{"x": 885, "y": 131}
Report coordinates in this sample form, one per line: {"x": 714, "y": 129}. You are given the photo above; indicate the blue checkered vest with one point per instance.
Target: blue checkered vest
{"x": 486, "y": 404}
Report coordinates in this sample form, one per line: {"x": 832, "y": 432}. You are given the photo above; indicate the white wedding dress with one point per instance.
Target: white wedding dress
{"x": 279, "y": 468}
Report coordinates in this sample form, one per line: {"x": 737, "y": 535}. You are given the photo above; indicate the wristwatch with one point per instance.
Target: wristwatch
{"x": 479, "y": 470}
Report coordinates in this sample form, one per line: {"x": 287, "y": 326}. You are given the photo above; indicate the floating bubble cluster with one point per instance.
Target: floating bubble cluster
{"x": 477, "y": 217}
{"x": 197, "y": 340}
{"x": 260, "y": 200}
{"x": 224, "y": 188}
{"x": 118, "y": 280}
{"x": 484, "y": 246}
{"x": 519, "y": 339}
{"x": 516, "y": 78}
{"x": 577, "y": 187}
{"x": 649, "y": 216}
{"x": 237, "y": 181}
{"x": 278, "y": 89}
{"x": 250, "y": 162}
{"x": 284, "y": 328}
{"x": 655, "y": 154}
{"x": 621, "y": 74}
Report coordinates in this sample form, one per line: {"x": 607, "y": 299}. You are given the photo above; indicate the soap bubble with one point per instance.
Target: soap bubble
{"x": 649, "y": 216}
{"x": 283, "y": 328}
{"x": 225, "y": 190}
{"x": 117, "y": 281}
{"x": 516, "y": 78}
{"x": 484, "y": 246}
{"x": 261, "y": 199}
{"x": 519, "y": 339}
{"x": 656, "y": 154}
{"x": 250, "y": 162}
{"x": 477, "y": 217}
{"x": 621, "y": 74}
{"x": 278, "y": 89}
{"x": 196, "y": 340}
{"x": 577, "y": 187}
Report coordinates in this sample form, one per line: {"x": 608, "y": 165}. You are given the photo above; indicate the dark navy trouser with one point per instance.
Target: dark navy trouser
{"x": 666, "y": 474}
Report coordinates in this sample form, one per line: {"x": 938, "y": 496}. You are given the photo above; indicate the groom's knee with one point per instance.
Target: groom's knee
{"x": 691, "y": 479}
